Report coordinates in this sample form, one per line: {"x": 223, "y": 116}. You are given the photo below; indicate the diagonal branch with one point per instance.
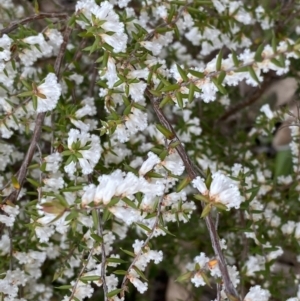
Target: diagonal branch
{"x": 14, "y": 25}
{"x": 248, "y": 102}
{"x": 192, "y": 172}
{"x": 12, "y": 197}
{"x": 103, "y": 255}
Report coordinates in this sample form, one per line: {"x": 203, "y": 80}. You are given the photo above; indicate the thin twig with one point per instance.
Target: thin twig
{"x": 14, "y": 25}
{"x": 150, "y": 235}
{"x": 80, "y": 273}
{"x": 244, "y": 104}
{"x": 152, "y": 33}
{"x": 103, "y": 256}
{"x": 95, "y": 71}
{"x": 10, "y": 249}
{"x": 12, "y": 197}
{"x": 39, "y": 190}
{"x": 191, "y": 170}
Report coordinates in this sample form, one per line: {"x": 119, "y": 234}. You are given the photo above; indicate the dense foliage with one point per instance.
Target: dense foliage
{"x": 137, "y": 140}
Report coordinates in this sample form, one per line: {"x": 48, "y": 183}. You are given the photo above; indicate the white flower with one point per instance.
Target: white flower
{"x": 50, "y": 89}
{"x": 29, "y": 55}
{"x": 149, "y": 163}
{"x": 222, "y": 190}
{"x": 5, "y": 43}
{"x": 174, "y": 163}
{"x": 10, "y": 214}
{"x": 110, "y": 73}
{"x": 133, "y": 277}
{"x": 88, "y": 146}
{"x": 53, "y": 162}
{"x": 267, "y": 111}
{"x": 116, "y": 36}
{"x": 198, "y": 280}
{"x": 257, "y": 293}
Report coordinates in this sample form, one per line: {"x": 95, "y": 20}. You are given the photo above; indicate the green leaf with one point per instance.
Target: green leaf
{"x": 220, "y": 206}
{"x": 235, "y": 58}
{"x": 206, "y": 210}
{"x": 283, "y": 163}
{"x": 95, "y": 218}
{"x": 155, "y": 92}
{"x": 152, "y": 174}
{"x": 170, "y": 88}
{"x": 167, "y": 133}
{"x": 147, "y": 229}
{"x": 274, "y": 43}
{"x": 127, "y": 252}
{"x": 277, "y": 63}
{"x": 182, "y": 73}
{"x": 63, "y": 287}
{"x": 113, "y": 201}
{"x": 165, "y": 230}
{"x": 183, "y": 184}
{"x": 219, "y": 61}
{"x": 196, "y": 73}
{"x": 89, "y": 278}
{"x": 120, "y": 272}
{"x": 221, "y": 77}
{"x": 186, "y": 276}
{"x": 220, "y": 88}
{"x": 202, "y": 198}
{"x": 72, "y": 215}
{"x": 114, "y": 292}
{"x": 167, "y": 99}
{"x": 115, "y": 260}
{"x": 191, "y": 92}
{"x": 140, "y": 273}
{"x": 129, "y": 202}
{"x": 174, "y": 144}
{"x": 15, "y": 182}
{"x": 131, "y": 169}
{"x": 25, "y": 94}
{"x": 253, "y": 74}
{"x": 205, "y": 278}
{"x": 97, "y": 238}
{"x": 258, "y": 57}
{"x": 208, "y": 179}
{"x": 179, "y": 99}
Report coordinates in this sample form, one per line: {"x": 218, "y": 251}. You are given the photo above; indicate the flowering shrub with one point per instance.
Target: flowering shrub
{"x": 136, "y": 138}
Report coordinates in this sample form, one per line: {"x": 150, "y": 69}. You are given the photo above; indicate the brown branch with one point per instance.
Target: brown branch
{"x": 150, "y": 235}
{"x": 21, "y": 174}
{"x": 14, "y": 25}
{"x": 81, "y": 272}
{"x": 192, "y": 173}
{"x": 251, "y": 99}
{"x": 103, "y": 255}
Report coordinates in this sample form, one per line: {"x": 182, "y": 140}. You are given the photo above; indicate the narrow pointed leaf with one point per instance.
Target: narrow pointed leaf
{"x": 219, "y": 61}
{"x": 206, "y": 211}
{"x": 182, "y": 73}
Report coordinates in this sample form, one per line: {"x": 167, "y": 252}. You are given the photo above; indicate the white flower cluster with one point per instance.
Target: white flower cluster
{"x": 104, "y": 18}
{"x": 222, "y": 190}
{"x": 39, "y": 47}
{"x": 87, "y": 147}
{"x": 202, "y": 265}
{"x": 9, "y": 214}
{"x": 51, "y": 91}
{"x": 143, "y": 258}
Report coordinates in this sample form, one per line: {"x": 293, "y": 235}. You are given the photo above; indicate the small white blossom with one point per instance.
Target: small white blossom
{"x": 50, "y": 89}
{"x": 222, "y": 190}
